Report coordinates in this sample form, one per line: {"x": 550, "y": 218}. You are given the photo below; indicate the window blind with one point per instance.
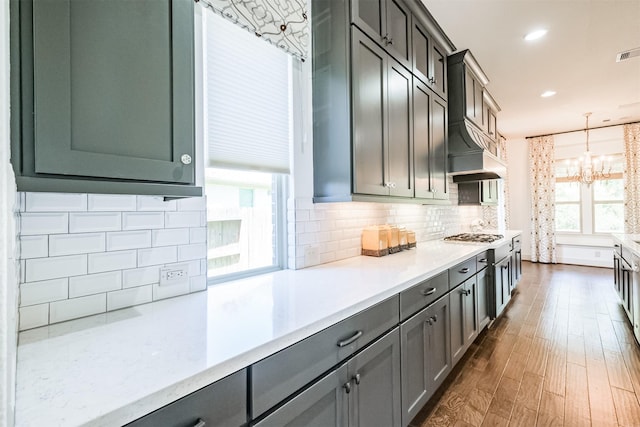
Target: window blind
{"x": 248, "y": 108}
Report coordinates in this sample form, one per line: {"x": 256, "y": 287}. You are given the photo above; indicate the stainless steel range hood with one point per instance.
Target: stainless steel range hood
{"x": 472, "y": 156}
{"x": 473, "y": 151}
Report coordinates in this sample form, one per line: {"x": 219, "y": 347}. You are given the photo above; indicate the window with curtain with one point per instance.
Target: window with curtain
{"x": 248, "y": 128}
{"x": 590, "y": 209}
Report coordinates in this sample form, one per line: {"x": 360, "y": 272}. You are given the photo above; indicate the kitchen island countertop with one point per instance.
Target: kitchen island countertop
{"x": 113, "y": 368}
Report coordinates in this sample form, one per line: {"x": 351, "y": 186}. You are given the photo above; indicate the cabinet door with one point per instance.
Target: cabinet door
{"x": 324, "y": 404}
{"x": 398, "y": 32}
{"x": 114, "y": 99}
{"x": 400, "y": 139}
{"x": 438, "y": 155}
{"x": 222, "y": 403}
{"x": 470, "y": 308}
{"x": 422, "y": 139}
{"x": 421, "y": 52}
{"x": 439, "y": 354}
{"x": 439, "y": 70}
{"x": 516, "y": 268}
{"x": 415, "y": 367}
{"x": 491, "y": 124}
{"x": 375, "y": 378}
{"x": 473, "y": 96}
{"x": 457, "y": 299}
{"x": 370, "y": 121}
{"x": 502, "y": 285}
{"x": 482, "y": 282}
{"x": 370, "y": 16}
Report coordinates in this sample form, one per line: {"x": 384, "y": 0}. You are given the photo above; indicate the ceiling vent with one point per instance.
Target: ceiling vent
{"x": 628, "y": 54}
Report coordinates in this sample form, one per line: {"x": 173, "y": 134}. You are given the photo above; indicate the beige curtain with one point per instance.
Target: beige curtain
{"x": 632, "y": 178}
{"x": 542, "y": 180}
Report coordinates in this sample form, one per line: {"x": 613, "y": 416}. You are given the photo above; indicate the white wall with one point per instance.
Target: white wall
{"x": 582, "y": 250}
{"x": 8, "y": 281}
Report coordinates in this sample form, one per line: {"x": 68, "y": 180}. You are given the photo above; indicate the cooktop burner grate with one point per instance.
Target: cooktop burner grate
{"x": 475, "y": 237}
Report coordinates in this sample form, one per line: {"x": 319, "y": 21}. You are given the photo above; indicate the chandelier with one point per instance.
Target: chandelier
{"x": 587, "y": 168}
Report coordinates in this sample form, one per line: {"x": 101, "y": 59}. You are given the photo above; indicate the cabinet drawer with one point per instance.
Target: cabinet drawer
{"x": 462, "y": 272}
{"x": 416, "y": 298}
{"x": 223, "y": 403}
{"x": 282, "y": 374}
{"x": 516, "y": 243}
{"x": 482, "y": 260}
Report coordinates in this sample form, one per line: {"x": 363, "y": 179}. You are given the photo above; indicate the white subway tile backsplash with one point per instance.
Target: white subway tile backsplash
{"x": 182, "y": 219}
{"x": 191, "y": 252}
{"x": 71, "y": 244}
{"x": 155, "y": 203}
{"x": 142, "y": 220}
{"x": 198, "y": 283}
{"x": 111, "y": 261}
{"x": 34, "y": 246}
{"x": 95, "y": 283}
{"x": 77, "y": 307}
{"x": 162, "y": 292}
{"x": 156, "y": 256}
{"x": 198, "y": 235}
{"x": 43, "y": 223}
{"x": 129, "y": 297}
{"x": 170, "y": 236}
{"x": 111, "y": 202}
{"x": 86, "y": 222}
{"x": 192, "y": 204}
{"x": 122, "y": 240}
{"x": 55, "y": 202}
{"x": 46, "y": 291}
{"x": 33, "y": 316}
{"x": 140, "y": 276}
{"x": 38, "y": 269}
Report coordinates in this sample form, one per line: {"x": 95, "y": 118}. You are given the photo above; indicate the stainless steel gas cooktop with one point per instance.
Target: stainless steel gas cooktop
{"x": 475, "y": 237}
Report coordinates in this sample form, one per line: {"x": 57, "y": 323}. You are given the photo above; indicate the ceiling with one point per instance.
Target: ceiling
{"x": 577, "y": 59}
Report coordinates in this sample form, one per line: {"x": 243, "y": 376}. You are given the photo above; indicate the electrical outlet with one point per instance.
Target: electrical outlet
{"x": 174, "y": 275}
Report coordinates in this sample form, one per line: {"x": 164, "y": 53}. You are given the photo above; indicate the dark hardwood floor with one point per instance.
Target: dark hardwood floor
{"x": 563, "y": 353}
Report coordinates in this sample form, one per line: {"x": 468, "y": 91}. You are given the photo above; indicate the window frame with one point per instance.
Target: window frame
{"x": 616, "y": 176}
{"x": 577, "y": 203}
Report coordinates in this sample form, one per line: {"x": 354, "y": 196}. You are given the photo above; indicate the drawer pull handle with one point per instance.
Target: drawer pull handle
{"x": 434, "y": 318}
{"x": 465, "y": 292}
{"x": 347, "y": 387}
{"x": 427, "y": 292}
{"x": 483, "y": 260}
{"x": 464, "y": 270}
{"x": 200, "y": 423}
{"x": 348, "y": 341}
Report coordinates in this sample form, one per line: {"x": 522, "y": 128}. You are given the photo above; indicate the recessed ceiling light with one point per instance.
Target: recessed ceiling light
{"x": 548, "y": 93}
{"x": 535, "y": 35}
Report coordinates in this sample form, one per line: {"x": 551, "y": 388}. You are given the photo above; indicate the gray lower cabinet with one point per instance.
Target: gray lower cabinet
{"x": 483, "y": 281}
{"x": 223, "y": 404}
{"x": 502, "y": 274}
{"x": 426, "y": 356}
{"x": 464, "y": 317}
{"x": 516, "y": 262}
{"x": 364, "y": 392}
{"x": 106, "y": 107}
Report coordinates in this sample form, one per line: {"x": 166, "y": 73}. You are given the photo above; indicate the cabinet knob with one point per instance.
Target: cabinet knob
{"x": 434, "y": 318}
{"x": 356, "y": 379}
{"x": 347, "y": 387}
{"x": 185, "y": 159}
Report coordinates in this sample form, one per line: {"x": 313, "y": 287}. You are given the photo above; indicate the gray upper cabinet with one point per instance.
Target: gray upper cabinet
{"x": 382, "y": 121}
{"x": 429, "y": 60}
{"x": 107, "y": 96}
{"x": 363, "y": 108}
{"x": 388, "y": 23}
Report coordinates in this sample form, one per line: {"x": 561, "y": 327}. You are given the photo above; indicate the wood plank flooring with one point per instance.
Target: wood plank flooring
{"x": 562, "y": 354}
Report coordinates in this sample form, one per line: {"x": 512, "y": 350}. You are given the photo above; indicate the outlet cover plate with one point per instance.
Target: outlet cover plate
{"x": 174, "y": 275}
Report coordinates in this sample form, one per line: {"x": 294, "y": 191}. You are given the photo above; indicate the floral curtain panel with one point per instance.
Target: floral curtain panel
{"x": 631, "y": 178}
{"x": 502, "y": 147}
{"x": 283, "y": 23}
{"x": 542, "y": 180}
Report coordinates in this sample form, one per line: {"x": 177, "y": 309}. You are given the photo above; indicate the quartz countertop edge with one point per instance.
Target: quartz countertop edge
{"x": 113, "y": 368}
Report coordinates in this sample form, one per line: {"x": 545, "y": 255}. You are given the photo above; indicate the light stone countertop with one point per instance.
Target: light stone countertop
{"x": 113, "y": 368}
